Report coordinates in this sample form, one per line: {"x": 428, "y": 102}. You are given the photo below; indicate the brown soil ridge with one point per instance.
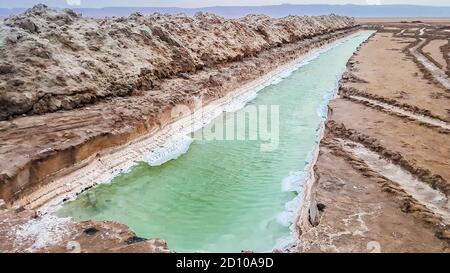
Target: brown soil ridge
{"x": 408, "y": 204}
{"x": 381, "y": 217}
{"x": 348, "y": 91}
{"x": 438, "y": 92}
{"x": 404, "y": 117}
{"x": 429, "y": 55}
{"x": 58, "y": 60}
{"x": 446, "y": 52}
{"x": 351, "y": 206}
{"x": 435, "y": 181}
{"x": 426, "y": 73}
{"x": 432, "y": 32}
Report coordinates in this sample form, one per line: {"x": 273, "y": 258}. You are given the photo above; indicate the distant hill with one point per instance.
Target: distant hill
{"x": 274, "y": 11}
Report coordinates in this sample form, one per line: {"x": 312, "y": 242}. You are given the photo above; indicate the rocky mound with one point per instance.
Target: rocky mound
{"x": 57, "y": 60}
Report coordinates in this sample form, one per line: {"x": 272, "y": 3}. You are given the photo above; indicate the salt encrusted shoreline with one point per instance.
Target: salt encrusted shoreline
{"x": 308, "y": 205}
{"x": 308, "y": 210}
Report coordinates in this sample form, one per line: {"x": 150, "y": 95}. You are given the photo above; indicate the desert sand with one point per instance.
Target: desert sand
{"x": 382, "y": 178}
{"x": 435, "y": 49}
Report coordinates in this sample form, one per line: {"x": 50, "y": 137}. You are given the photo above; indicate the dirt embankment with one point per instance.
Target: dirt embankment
{"x": 382, "y": 178}
{"x": 60, "y": 61}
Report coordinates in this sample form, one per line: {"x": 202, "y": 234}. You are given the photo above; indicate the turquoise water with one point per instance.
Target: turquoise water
{"x": 227, "y": 195}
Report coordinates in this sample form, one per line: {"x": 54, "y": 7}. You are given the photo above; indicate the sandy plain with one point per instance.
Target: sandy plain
{"x": 382, "y": 178}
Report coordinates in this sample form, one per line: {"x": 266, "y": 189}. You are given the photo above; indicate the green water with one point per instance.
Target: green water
{"x": 226, "y": 196}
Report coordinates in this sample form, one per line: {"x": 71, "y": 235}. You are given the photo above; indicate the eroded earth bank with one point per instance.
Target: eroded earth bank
{"x": 382, "y": 178}
{"x": 73, "y": 89}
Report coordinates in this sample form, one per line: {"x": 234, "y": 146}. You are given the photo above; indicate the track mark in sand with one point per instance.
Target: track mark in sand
{"x": 422, "y": 31}
{"x": 401, "y": 32}
{"x": 433, "y": 199}
{"x": 435, "y": 71}
{"x": 395, "y": 109}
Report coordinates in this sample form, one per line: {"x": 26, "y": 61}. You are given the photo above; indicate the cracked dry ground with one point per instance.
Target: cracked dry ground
{"x": 383, "y": 171}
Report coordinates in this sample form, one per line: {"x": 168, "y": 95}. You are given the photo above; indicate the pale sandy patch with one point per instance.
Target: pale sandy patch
{"x": 434, "y": 49}
{"x": 392, "y": 74}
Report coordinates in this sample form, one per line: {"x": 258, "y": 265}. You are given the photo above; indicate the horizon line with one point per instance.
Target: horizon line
{"x": 235, "y": 6}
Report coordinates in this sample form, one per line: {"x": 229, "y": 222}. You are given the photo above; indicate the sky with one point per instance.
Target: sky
{"x": 204, "y": 3}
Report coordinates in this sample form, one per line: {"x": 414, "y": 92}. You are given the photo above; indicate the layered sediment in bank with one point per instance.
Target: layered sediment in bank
{"x": 74, "y": 89}
{"x": 381, "y": 181}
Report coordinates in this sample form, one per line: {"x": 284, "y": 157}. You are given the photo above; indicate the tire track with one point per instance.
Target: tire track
{"x": 392, "y": 108}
